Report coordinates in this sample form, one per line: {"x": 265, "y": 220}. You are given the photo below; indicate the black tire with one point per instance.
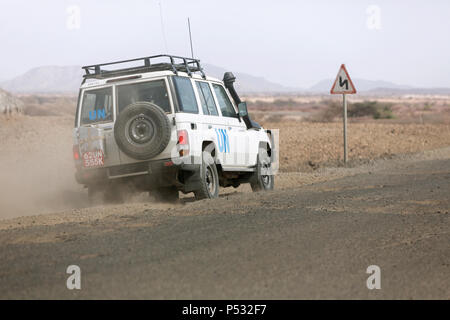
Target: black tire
{"x": 96, "y": 195}
{"x": 110, "y": 193}
{"x": 115, "y": 194}
{"x": 165, "y": 194}
{"x": 209, "y": 179}
{"x": 262, "y": 179}
{"x": 142, "y": 130}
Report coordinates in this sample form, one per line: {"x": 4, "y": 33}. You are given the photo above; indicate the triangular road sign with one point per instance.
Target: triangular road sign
{"x": 343, "y": 84}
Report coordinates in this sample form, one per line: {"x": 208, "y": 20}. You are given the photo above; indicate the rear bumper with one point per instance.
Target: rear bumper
{"x": 152, "y": 173}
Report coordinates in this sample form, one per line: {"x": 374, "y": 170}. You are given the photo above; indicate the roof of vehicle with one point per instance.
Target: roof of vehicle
{"x": 153, "y": 66}
{"x": 139, "y": 76}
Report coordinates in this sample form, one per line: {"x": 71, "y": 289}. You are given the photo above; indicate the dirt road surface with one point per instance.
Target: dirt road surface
{"x": 309, "y": 240}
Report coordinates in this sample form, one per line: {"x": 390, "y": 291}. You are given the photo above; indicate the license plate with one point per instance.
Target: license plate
{"x": 93, "y": 158}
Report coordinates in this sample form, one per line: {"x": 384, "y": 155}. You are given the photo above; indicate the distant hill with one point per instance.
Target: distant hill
{"x": 360, "y": 84}
{"x": 246, "y": 83}
{"x": 47, "y": 79}
{"x": 67, "y": 79}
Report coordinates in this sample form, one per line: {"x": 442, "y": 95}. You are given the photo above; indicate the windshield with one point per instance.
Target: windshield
{"x": 97, "y": 106}
{"x": 152, "y": 91}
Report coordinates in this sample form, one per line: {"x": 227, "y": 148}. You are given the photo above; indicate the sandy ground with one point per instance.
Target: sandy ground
{"x": 37, "y": 172}
{"x": 304, "y": 242}
{"x": 313, "y": 237}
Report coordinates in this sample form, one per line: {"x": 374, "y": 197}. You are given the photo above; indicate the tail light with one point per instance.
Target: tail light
{"x": 183, "y": 143}
{"x": 183, "y": 137}
{"x": 76, "y": 152}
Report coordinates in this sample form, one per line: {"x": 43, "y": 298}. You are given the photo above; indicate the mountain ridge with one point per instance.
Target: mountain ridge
{"x": 67, "y": 79}
{"x": 360, "y": 84}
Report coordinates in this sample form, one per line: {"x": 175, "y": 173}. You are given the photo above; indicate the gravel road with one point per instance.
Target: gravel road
{"x": 314, "y": 237}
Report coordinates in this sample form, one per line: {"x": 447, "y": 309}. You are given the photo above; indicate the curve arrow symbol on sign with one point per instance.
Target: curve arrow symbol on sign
{"x": 343, "y": 83}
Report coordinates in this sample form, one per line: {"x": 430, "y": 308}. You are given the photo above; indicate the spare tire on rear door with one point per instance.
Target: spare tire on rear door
{"x": 142, "y": 130}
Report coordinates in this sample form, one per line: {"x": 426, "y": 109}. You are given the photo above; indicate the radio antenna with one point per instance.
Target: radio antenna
{"x": 162, "y": 27}
{"x": 190, "y": 38}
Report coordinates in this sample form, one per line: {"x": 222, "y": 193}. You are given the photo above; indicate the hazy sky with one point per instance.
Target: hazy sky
{"x": 295, "y": 43}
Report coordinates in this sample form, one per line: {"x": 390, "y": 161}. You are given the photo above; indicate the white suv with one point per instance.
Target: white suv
{"x": 165, "y": 127}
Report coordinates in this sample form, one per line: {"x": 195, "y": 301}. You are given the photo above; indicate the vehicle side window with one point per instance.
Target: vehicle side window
{"x": 206, "y": 98}
{"x": 97, "y": 106}
{"x": 185, "y": 95}
{"x": 151, "y": 91}
{"x": 224, "y": 102}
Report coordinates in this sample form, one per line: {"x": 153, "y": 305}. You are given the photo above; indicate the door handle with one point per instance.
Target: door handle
{"x": 209, "y": 126}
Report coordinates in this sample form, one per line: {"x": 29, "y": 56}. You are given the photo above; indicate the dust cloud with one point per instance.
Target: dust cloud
{"x": 37, "y": 171}
{"x": 36, "y": 166}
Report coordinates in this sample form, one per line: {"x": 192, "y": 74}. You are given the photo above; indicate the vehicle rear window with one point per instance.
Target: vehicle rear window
{"x": 224, "y": 102}
{"x": 206, "y": 98}
{"x": 185, "y": 95}
{"x": 151, "y": 91}
{"x": 97, "y": 106}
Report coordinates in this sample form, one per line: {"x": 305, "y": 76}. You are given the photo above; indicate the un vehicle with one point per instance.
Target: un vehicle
{"x": 163, "y": 126}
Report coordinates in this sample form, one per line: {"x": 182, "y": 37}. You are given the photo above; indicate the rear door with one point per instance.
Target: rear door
{"x": 96, "y": 121}
{"x": 154, "y": 90}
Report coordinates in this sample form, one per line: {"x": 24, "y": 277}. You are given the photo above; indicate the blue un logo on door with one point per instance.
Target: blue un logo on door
{"x": 223, "y": 140}
{"x": 97, "y": 114}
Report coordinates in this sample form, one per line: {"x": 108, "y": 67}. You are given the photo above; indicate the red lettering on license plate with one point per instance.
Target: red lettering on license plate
{"x": 93, "y": 158}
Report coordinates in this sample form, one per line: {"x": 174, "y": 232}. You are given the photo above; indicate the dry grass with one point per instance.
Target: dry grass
{"x": 311, "y": 127}
{"x": 401, "y": 109}
{"x": 49, "y": 105}
{"x": 306, "y": 145}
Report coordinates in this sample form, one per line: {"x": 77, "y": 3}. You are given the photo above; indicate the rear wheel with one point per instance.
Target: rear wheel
{"x": 108, "y": 193}
{"x": 96, "y": 194}
{"x": 209, "y": 179}
{"x": 165, "y": 194}
{"x": 115, "y": 193}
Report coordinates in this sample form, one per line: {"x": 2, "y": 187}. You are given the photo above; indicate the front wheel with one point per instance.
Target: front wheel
{"x": 209, "y": 179}
{"x": 263, "y": 178}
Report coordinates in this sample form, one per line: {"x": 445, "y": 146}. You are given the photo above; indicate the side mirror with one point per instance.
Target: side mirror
{"x": 242, "y": 107}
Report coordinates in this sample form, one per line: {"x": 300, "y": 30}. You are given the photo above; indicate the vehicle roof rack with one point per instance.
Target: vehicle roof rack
{"x": 169, "y": 62}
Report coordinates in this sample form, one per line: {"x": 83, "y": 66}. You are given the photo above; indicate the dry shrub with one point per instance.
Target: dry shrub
{"x": 49, "y": 105}
{"x": 274, "y": 118}
{"x": 327, "y": 114}
{"x": 373, "y": 109}
{"x": 263, "y": 118}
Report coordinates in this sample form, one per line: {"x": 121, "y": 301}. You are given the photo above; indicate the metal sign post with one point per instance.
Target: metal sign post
{"x": 345, "y": 128}
{"x": 343, "y": 85}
